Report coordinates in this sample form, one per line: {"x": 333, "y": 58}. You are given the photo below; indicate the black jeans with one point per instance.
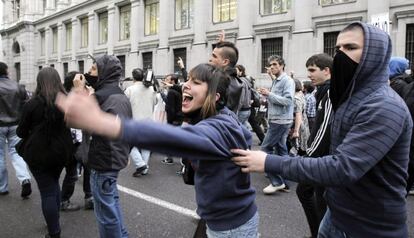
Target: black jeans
{"x": 313, "y": 203}
{"x": 49, "y": 188}
{"x": 68, "y": 185}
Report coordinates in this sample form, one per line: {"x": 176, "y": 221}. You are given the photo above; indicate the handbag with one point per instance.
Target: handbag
{"x": 187, "y": 172}
{"x": 20, "y": 147}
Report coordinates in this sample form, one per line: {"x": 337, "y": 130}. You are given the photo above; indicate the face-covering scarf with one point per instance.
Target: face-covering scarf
{"x": 91, "y": 80}
{"x": 343, "y": 71}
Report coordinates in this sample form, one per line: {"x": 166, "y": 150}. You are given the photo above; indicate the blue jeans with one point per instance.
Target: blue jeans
{"x": 49, "y": 188}
{"x": 328, "y": 230}
{"x": 243, "y": 116}
{"x": 106, "y": 204}
{"x": 140, "y": 157}
{"x": 8, "y": 136}
{"x": 247, "y": 230}
{"x": 275, "y": 143}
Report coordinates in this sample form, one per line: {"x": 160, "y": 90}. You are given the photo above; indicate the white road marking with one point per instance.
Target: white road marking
{"x": 159, "y": 202}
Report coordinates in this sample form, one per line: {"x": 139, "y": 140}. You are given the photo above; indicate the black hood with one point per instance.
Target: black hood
{"x": 109, "y": 74}
{"x": 109, "y": 70}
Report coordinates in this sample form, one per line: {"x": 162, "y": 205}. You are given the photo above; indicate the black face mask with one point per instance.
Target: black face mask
{"x": 343, "y": 71}
{"x": 91, "y": 80}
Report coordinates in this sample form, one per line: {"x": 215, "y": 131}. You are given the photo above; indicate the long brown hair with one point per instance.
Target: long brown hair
{"x": 48, "y": 85}
{"x": 217, "y": 82}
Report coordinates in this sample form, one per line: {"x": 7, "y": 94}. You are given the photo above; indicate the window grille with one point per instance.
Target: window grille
{"x": 329, "y": 42}
{"x": 272, "y": 46}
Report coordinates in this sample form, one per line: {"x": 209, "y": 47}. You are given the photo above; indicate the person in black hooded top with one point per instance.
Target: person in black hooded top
{"x": 107, "y": 157}
{"x": 47, "y": 144}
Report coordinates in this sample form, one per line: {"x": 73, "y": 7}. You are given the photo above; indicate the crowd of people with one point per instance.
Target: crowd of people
{"x": 344, "y": 136}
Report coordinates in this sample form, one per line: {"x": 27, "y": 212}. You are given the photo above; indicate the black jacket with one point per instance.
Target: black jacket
{"x": 173, "y": 105}
{"x": 234, "y": 90}
{"x": 105, "y": 154}
{"x": 320, "y": 136}
{"x": 48, "y": 142}
{"x": 11, "y": 101}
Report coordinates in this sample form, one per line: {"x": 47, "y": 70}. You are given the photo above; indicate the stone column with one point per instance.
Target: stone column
{"x": 133, "y": 61}
{"x": 111, "y": 27}
{"x": 162, "y": 60}
{"x": 60, "y": 49}
{"x": 377, "y": 7}
{"x": 48, "y": 45}
{"x": 92, "y": 36}
{"x": 50, "y": 7}
{"x": 199, "y": 52}
{"x": 302, "y": 35}
{"x": 381, "y": 8}
{"x": 246, "y": 16}
{"x": 75, "y": 42}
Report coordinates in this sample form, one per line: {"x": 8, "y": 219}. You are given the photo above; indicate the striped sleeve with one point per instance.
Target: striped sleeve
{"x": 322, "y": 134}
{"x": 376, "y": 128}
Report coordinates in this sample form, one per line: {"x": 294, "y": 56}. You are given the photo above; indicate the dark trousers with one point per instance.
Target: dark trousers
{"x": 68, "y": 185}
{"x": 255, "y": 125}
{"x": 311, "y": 123}
{"x": 261, "y": 120}
{"x": 313, "y": 203}
{"x": 49, "y": 188}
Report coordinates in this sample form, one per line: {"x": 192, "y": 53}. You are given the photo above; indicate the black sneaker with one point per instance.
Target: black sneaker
{"x": 168, "y": 161}
{"x": 53, "y": 236}
{"x": 140, "y": 171}
{"x": 89, "y": 203}
{"x": 26, "y": 189}
{"x": 67, "y": 206}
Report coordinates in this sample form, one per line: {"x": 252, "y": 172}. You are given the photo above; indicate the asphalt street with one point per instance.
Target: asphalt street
{"x": 156, "y": 205}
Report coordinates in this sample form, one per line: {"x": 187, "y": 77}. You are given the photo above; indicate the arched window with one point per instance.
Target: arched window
{"x": 16, "y": 47}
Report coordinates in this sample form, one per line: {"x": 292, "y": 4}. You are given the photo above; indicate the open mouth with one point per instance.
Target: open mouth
{"x": 187, "y": 98}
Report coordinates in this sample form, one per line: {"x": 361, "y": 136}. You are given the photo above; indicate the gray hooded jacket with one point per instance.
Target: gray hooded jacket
{"x": 366, "y": 172}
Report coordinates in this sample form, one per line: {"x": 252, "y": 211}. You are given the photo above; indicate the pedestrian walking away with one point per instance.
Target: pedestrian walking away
{"x": 12, "y": 98}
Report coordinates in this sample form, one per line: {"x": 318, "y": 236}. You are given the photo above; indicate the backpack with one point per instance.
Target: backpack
{"x": 246, "y": 93}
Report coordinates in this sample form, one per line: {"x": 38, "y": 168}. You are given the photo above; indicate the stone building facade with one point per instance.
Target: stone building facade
{"x": 154, "y": 33}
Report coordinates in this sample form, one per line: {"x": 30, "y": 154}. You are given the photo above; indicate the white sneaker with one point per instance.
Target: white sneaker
{"x": 272, "y": 189}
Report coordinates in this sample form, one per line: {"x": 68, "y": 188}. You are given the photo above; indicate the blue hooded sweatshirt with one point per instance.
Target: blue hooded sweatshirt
{"x": 366, "y": 172}
{"x": 224, "y": 196}
{"x": 397, "y": 66}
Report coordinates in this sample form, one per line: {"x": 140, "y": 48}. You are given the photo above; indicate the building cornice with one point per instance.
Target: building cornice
{"x": 66, "y": 10}
{"x": 122, "y": 49}
{"x": 15, "y": 28}
{"x": 272, "y": 28}
{"x": 337, "y": 21}
{"x": 146, "y": 45}
{"x": 404, "y": 14}
{"x": 231, "y": 33}
{"x": 181, "y": 40}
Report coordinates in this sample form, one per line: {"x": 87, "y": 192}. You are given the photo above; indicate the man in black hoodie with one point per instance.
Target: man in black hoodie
{"x": 107, "y": 157}
{"x": 173, "y": 105}
{"x": 319, "y": 69}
